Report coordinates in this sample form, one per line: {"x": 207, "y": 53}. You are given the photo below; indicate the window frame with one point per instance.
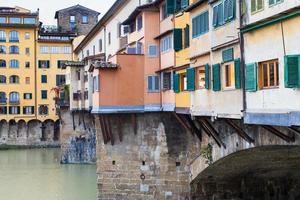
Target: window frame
{"x": 261, "y": 73}
{"x": 257, "y": 10}
{"x": 194, "y": 35}
{"x": 198, "y": 87}
{"x": 153, "y": 80}
{"x": 83, "y": 17}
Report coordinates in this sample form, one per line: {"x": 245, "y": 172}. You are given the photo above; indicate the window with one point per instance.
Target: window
{"x": 100, "y": 45}
{"x": 87, "y": 53}
{"x": 44, "y": 64}
{"x": 268, "y": 74}
{"x": 44, "y": 78}
{"x": 60, "y": 80}
{"x": 200, "y": 24}
{"x": 72, "y": 19}
{"x": 96, "y": 83}
{"x": 229, "y": 75}
{"x": 14, "y": 64}
{"x": 15, "y": 20}
{"x": 66, "y": 50}
{"x": 183, "y": 82}
{"x": 27, "y": 51}
{"x": 139, "y": 23}
{"x": 2, "y": 49}
{"x": 109, "y": 38}
{"x": 200, "y": 78}
{"x": 2, "y": 79}
{"x": 2, "y": 97}
{"x": 2, "y": 20}
{"x": 44, "y": 49}
{"x": 14, "y": 79}
{"x": 28, "y": 110}
{"x": 228, "y": 55}
{"x": 2, "y": 36}
{"x": 77, "y": 96}
{"x": 55, "y": 50}
{"x": 78, "y": 75}
{"x": 94, "y": 50}
{"x": 164, "y": 12}
{"x": 14, "y": 36}
{"x": 2, "y": 63}
{"x": 152, "y": 50}
{"x": 27, "y": 96}
{"x": 3, "y": 110}
{"x": 43, "y": 110}
{"x": 166, "y": 43}
{"x": 139, "y": 48}
{"x": 27, "y": 64}
{"x": 61, "y": 63}
{"x": 257, "y": 5}
{"x": 223, "y": 12}
{"x": 274, "y": 2}
{"x": 14, "y": 110}
{"x": 132, "y": 27}
{"x": 44, "y": 94}
{"x": 28, "y": 20}
{"x": 84, "y": 19}
{"x": 27, "y": 80}
{"x": 14, "y": 50}
{"x": 14, "y": 98}
{"x": 27, "y": 36}
{"x": 166, "y": 81}
{"x": 153, "y": 83}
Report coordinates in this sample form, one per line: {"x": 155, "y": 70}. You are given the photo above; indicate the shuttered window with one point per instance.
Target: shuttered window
{"x": 44, "y": 78}
{"x": 251, "y": 77}
{"x": 237, "y": 73}
{"x": 187, "y": 36}
{"x": 200, "y": 24}
{"x": 153, "y": 83}
{"x": 190, "y": 72}
{"x": 227, "y": 55}
{"x": 216, "y": 77}
{"x": 292, "y": 71}
{"x": 44, "y": 64}
{"x": 170, "y": 6}
{"x": 152, "y": 51}
{"x": 177, "y": 39}
{"x": 207, "y": 76}
{"x": 176, "y": 83}
{"x": 223, "y": 12}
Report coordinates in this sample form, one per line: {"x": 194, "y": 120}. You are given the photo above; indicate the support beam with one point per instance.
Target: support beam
{"x": 239, "y": 131}
{"x": 102, "y": 125}
{"x": 181, "y": 122}
{"x": 206, "y": 130}
{"x": 119, "y": 125}
{"x": 108, "y": 125}
{"x": 213, "y": 132}
{"x": 194, "y": 127}
{"x": 294, "y": 130}
{"x": 276, "y": 132}
{"x": 134, "y": 125}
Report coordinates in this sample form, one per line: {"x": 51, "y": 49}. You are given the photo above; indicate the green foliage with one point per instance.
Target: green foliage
{"x": 206, "y": 153}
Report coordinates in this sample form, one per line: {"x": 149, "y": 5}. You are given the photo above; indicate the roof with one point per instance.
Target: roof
{"x": 194, "y": 5}
{"x": 102, "y": 65}
{"x": 115, "y": 7}
{"x": 73, "y": 64}
{"x": 75, "y": 7}
{"x": 138, "y": 10}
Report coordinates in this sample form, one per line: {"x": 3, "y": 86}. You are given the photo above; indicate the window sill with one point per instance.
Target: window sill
{"x": 257, "y": 11}
{"x": 156, "y": 91}
{"x": 229, "y": 89}
{"x": 269, "y": 88}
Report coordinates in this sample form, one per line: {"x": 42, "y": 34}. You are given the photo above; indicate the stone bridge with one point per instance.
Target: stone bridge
{"x": 172, "y": 156}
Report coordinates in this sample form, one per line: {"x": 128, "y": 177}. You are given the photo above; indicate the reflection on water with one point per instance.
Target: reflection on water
{"x": 37, "y": 175}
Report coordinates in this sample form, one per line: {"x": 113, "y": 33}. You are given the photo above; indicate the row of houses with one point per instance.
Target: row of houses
{"x": 218, "y": 58}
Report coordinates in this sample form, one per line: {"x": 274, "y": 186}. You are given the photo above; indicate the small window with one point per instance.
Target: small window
{"x": 14, "y": 36}
{"x": 229, "y": 75}
{"x": 139, "y": 48}
{"x": 2, "y": 79}
{"x": 153, "y": 83}
{"x": 200, "y": 24}
{"x": 2, "y": 49}
{"x": 2, "y": 63}
{"x": 27, "y": 36}
{"x": 274, "y": 2}
{"x": 166, "y": 44}
{"x": 2, "y": 98}
{"x": 27, "y": 51}
{"x": 27, "y": 96}
{"x": 15, "y": 20}
{"x": 14, "y": 50}
{"x": 14, "y": 110}
{"x": 27, "y": 80}
{"x": 14, "y": 98}
{"x": 60, "y": 80}
{"x": 44, "y": 94}
{"x": 28, "y": 110}
{"x": 183, "y": 82}
{"x": 94, "y": 50}
{"x": 2, "y": 36}
{"x": 100, "y": 45}
{"x": 14, "y": 64}
{"x": 27, "y": 64}
{"x": 43, "y": 110}
{"x": 3, "y": 109}
{"x": 84, "y": 19}
{"x": 44, "y": 78}
{"x": 166, "y": 80}
{"x": 200, "y": 77}
{"x": 72, "y": 19}
{"x": 152, "y": 50}
{"x": 55, "y": 50}
{"x": 87, "y": 53}
{"x": 2, "y": 20}
{"x": 44, "y": 64}
{"x": 228, "y": 55}
{"x": 96, "y": 83}
{"x": 164, "y": 12}
{"x": 268, "y": 74}
{"x": 44, "y": 49}
{"x": 109, "y": 38}
{"x": 139, "y": 23}
{"x": 257, "y": 5}
{"x": 30, "y": 20}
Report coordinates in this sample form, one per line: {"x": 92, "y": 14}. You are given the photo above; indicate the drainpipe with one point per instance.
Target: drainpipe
{"x": 35, "y": 73}
{"x": 104, "y": 41}
{"x": 242, "y": 50}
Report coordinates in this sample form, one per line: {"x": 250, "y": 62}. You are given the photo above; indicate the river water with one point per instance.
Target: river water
{"x": 38, "y": 175}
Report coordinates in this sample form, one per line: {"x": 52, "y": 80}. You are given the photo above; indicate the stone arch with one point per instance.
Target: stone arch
{"x": 22, "y": 129}
{"x": 48, "y": 130}
{"x": 3, "y": 130}
{"x": 34, "y": 132}
{"x": 13, "y": 129}
{"x": 56, "y": 135}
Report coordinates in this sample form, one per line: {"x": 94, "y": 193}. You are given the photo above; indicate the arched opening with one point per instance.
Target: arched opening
{"x": 267, "y": 172}
{"x": 56, "y": 130}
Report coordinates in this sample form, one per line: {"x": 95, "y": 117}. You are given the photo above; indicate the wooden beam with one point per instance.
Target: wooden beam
{"x": 239, "y": 131}
{"x": 294, "y": 130}
{"x": 276, "y": 132}
{"x": 103, "y": 129}
{"x": 108, "y": 125}
{"x": 214, "y": 133}
{"x": 134, "y": 125}
{"x": 204, "y": 128}
{"x": 181, "y": 122}
{"x": 194, "y": 127}
{"x": 119, "y": 125}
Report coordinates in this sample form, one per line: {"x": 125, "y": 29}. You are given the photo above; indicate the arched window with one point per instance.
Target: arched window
{"x": 2, "y": 36}
{"x": 14, "y": 97}
{"x": 2, "y": 97}
{"x": 2, "y": 49}
{"x": 2, "y": 79}
{"x": 14, "y": 79}
{"x": 14, "y": 36}
{"x": 2, "y": 63}
{"x": 14, "y": 49}
{"x": 14, "y": 64}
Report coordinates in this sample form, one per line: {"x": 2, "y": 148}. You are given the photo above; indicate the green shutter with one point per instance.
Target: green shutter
{"x": 237, "y": 73}
{"x": 176, "y": 83}
{"x": 48, "y": 64}
{"x": 227, "y": 55}
{"x": 190, "y": 73}
{"x": 40, "y": 64}
{"x": 177, "y": 39}
{"x": 231, "y": 9}
{"x": 251, "y": 77}
{"x": 220, "y": 14}
{"x": 170, "y": 6}
{"x": 215, "y": 16}
{"x": 271, "y": 2}
{"x": 216, "y": 77}
{"x": 292, "y": 71}
{"x": 207, "y": 76}
{"x": 187, "y": 36}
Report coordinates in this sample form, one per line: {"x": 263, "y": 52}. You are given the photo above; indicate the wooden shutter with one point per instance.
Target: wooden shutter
{"x": 170, "y": 6}
{"x": 187, "y": 36}
{"x": 207, "y": 76}
{"x": 176, "y": 83}
{"x": 32, "y": 109}
{"x": 24, "y": 110}
{"x": 48, "y": 64}
{"x": 177, "y": 34}
{"x": 58, "y": 64}
{"x": 150, "y": 85}
{"x": 271, "y": 2}
{"x": 227, "y": 55}
{"x": 237, "y": 73}
{"x": 215, "y": 16}
{"x": 40, "y": 63}
{"x": 10, "y": 110}
{"x": 220, "y": 14}
{"x": 190, "y": 73}
{"x": 226, "y": 2}
{"x": 292, "y": 71}
{"x": 251, "y": 77}
{"x": 231, "y": 9}
{"x": 216, "y": 77}
{"x": 18, "y": 110}
{"x": 260, "y": 4}
{"x": 30, "y": 95}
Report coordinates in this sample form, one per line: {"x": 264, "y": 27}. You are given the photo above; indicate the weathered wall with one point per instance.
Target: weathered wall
{"x": 160, "y": 151}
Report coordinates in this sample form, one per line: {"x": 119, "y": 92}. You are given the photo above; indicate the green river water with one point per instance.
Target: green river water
{"x": 37, "y": 175}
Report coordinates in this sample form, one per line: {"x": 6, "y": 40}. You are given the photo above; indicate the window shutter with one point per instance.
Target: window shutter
{"x": 231, "y": 9}
{"x": 170, "y": 6}
{"x": 237, "y": 73}
{"x": 10, "y": 110}
{"x": 292, "y": 71}
{"x": 176, "y": 83}
{"x": 48, "y": 64}
{"x": 207, "y": 76}
{"x": 58, "y": 64}
{"x": 215, "y": 16}
{"x": 57, "y": 80}
{"x": 216, "y": 77}
{"x": 220, "y": 14}
{"x": 156, "y": 83}
{"x": 187, "y": 36}
{"x": 184, "y": 3}
{"x": 190, "y": 72}
{"x": 150, "y": 85}
{"x": 24, "y": 110}
{"x": 18, "y": 110}
{"x": 227, "y": 55}
{"x": 226, "y": 2}
{"x": 30, "y": 95}
{"x": 40, "y": 64}
{"x": 251, "y": 77}
{"x": 177, "y": 39}
{"x": 260, "y": 4}
{"x": 271, "y": 2}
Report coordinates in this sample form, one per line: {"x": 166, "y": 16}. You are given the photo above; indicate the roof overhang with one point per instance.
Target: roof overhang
{"x": 102, "y": 65}
{"x": 73, "y": 64}
{"x": 194, "y": 5}
{"x": 147, "y": 7}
